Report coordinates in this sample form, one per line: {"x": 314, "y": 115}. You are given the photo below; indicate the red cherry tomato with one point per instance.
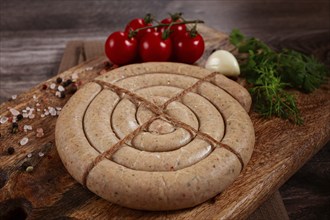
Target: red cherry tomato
{"x": 153, "y": 48}
{"x": 120, "y": 49}
{"x": 139, "y": 23}
{"x": 187, "y": 48}
{"x": 175, "y": 29}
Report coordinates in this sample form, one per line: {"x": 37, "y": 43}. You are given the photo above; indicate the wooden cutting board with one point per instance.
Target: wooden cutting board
{"x": 50, "y": 192}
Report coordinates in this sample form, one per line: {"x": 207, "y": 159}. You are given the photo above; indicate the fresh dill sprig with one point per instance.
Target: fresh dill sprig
{"x": 270, "y": 98}
{"x": 270, "y": 72}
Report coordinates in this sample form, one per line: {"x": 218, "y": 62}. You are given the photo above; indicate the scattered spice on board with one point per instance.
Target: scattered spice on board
{"x": 3, "y": 119}
{"x": 25, "y": 165}
{"x": 19, "y": 117}
{"x": 10, "y": 150}
{"x": 59, "y": 80}
{"x": 14, "y": 112}
{"x": 14, "y": 127}
{"x": 52, "y": 86}
{"x": 13, "y": 97}
{"x": 24, "y": 141}
{"x": 29, "y": 169}
{"x": 27, "y": 128}
{"x": 67, "y": 83}
{"x": 44, "y": 87}
{"x": 40, "y": 132}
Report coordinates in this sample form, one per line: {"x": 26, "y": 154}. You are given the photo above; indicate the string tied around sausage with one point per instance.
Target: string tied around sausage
{"x": 160, "y": 113}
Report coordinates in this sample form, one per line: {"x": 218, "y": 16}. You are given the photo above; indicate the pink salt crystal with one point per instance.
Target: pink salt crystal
{"x": 14, "y": 112}
{"x": 40, "y": 134}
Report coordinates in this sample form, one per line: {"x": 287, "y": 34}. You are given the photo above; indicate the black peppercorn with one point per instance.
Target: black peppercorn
{"x": 59, "y": 80}
{"x": 67, "y": 82}
{"x": 10, "y": 150}
{"x": 44, "y": 87}
{"x": 14, "y": 128}
{"x": 73, "y": 89}
{"x": 19, "y": 117}
{"x": 62, "y": 95}
{"x": 107, "y": 65}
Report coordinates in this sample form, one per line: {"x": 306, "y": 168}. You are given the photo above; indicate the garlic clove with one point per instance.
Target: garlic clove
{"x": 224, "y": 62}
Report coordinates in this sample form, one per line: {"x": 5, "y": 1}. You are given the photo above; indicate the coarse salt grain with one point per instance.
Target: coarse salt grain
{"x": 28, "y": 108}
{"x": 46, "y": 113}
{"x": 13, "y": 97}
{"x": 32, "y": 116}
{"x": 3, "y": 119}
{"x": 58, "y": 93}
{"x": 52, "y": 112}
{"x": 38, "y": 104}
{"x": 24, "y": 141}
{"x": 14, "y": 112}
{"x": 29, "y": 155}
{"x": 60, "y": 88}
{"x": 27, "y": 127}
{"x": 58, "y": 108}
{"x": 38, "y": 110}
{"x": 74, "y": 76}
{"x": 42, "y": 115}
{"x": 41, "y": 154}
{"x": 34, "y": 97}
{"x": 25, "y": 115}
{"x": 52, "y": 86}
{"x": 40, "y": 130}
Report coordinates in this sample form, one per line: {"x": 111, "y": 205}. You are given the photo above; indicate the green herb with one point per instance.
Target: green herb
{"x": 270, "y": 72}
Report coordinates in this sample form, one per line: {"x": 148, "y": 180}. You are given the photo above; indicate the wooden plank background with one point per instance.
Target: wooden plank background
{"x": 33, "y": 35}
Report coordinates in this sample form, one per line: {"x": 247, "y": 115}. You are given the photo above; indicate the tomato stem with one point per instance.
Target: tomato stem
{"x": 165, "y": 25}
{"x": 148, "y": 19}
{"x": 176, "y": 16}
{"x": 193, "y": 31}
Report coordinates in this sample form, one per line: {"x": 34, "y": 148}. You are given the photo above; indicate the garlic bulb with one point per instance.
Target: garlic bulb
{"x": 224, "y": 62}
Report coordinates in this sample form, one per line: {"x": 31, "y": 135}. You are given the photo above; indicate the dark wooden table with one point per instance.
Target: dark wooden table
{"x": 34, "y": 34}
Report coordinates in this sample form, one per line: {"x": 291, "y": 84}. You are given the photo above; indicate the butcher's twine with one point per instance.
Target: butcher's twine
{"x": 159, "y": 114}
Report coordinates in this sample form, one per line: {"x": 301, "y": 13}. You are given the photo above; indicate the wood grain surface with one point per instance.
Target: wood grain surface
{"x": 31, "y": 49}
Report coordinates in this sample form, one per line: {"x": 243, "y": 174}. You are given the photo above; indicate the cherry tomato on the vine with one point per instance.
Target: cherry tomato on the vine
{"x": 175, "y": 29}
{"x": 139, "y": 23}
{"x": 187, "y": 47}
{"x": 120, "y": 49}
{"x": 153, "y": 47}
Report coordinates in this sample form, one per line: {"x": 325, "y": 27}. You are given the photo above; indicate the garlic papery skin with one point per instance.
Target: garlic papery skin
{"x": 223, "y": 62}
